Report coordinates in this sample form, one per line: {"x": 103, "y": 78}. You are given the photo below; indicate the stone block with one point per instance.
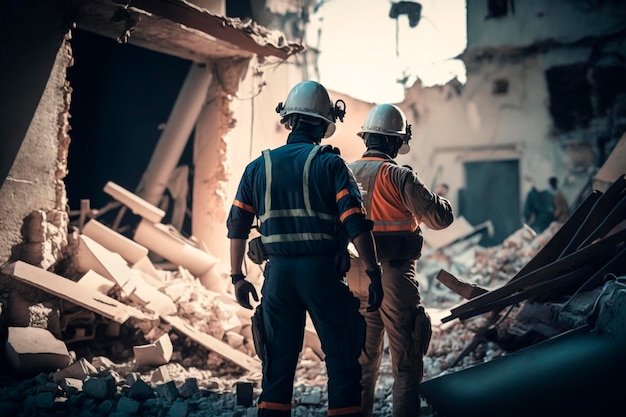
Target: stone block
{"x": 154, "y": 354}
{"x": 81, "y": 369}
{"x": 32, "y": 350}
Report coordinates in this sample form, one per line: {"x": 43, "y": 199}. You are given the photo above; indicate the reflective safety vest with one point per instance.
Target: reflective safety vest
{"x": 381, "y": 197}
{"x": 293, "y": 231}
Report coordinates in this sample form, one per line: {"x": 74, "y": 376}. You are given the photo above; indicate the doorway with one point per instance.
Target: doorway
{"x": 492, "y": 193}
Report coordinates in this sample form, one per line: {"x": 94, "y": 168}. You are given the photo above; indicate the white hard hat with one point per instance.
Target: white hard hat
{"x": 388, "y": 120}
{"x": 312, "y": 99}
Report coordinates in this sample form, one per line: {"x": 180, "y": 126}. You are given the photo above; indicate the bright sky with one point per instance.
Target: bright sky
{"x": 361, "y": 58}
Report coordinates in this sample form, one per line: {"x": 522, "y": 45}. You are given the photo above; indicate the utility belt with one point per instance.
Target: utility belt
{"x": 256, "y": 251}
{"x": 399, "y": 248}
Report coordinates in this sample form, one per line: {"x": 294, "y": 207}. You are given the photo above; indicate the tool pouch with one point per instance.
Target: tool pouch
{"x": 258, "y": 333}
{"x": 256, "y": 251}
{"x": 422, "y": 331}
{"x": 342, "y": 263}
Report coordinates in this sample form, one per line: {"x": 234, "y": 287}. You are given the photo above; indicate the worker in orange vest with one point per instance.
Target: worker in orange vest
{"x": 397, "y": 201}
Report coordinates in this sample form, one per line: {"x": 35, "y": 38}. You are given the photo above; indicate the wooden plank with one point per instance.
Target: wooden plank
{"x": 72, "y": 291}
{"x": 462, "y": 288}
{"x": 594, "y": 252}
{"x": 575, "y": 276}
{"x": 555, "y": 246}
{"x": 614, "y": 217}
{"x": 598, "y": 213}
{"x": 223, "y": 349}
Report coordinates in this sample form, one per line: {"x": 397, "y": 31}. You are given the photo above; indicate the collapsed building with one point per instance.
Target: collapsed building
{"x": 502, "y": 111}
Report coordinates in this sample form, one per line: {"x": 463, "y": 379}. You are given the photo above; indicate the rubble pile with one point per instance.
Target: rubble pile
{"x": 197, "y": 381}
{"x": 488, "y": 267}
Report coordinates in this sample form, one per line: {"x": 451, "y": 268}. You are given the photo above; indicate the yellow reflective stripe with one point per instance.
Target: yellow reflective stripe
{"x": 344, "y": 410}
{"x": 274, "y": 406}
{"x": 341, "y": 194}
{"x": 296, "y": 237}
{"x": 243, "y": 206}
{"x": 349, "y": 213}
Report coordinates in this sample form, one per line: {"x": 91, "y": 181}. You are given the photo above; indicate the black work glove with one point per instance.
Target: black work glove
{"x": 375, "y": 289}
{"x": 243, "y": 289}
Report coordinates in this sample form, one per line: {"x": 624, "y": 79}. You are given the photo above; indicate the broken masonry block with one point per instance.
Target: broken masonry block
{"x": 140, "y": 390}
{"x": 154, "y": 354}
{"x": 81, "y": 369}
{"x": 32, "y": 350}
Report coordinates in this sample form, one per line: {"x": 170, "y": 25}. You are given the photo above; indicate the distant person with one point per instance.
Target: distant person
{"x": 561, "y": 206}
{"x": 539, "y": 209}
{"x": 397, "y": 201}
{"x": 442, "y": 189}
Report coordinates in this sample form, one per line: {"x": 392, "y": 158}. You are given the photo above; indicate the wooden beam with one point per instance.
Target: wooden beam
{"x": 72, "y": 291}
{"x": 595, "y": 253}
{"x": 223, "y": 349}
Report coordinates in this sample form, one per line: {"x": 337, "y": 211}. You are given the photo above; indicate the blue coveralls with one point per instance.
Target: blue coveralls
{"x": 311, "y": 202}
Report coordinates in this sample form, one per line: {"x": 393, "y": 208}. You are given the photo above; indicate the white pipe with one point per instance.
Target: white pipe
{"x": 167, "y": 243}
{"x": 180, "y": 124}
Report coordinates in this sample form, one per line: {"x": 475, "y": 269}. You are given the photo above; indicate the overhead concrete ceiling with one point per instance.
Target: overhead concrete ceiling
{"x": 181, "y": 29}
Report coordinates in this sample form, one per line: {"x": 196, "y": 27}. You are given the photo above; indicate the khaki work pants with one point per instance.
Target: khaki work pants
{"x": 403, "y": 320}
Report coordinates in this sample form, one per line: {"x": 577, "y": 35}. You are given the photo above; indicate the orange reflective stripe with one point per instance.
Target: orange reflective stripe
{"x": 349, "y": 213}
{"x": 243, "y": 206}
{"x": 345, "y": 410}
{"x": 341, "y": 194}
{"x": 274, "y": 406}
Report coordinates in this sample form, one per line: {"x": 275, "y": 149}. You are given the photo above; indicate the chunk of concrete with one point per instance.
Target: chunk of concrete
{"x": 31, "y": 350}
{"x": 81, "y": 370}
{"x": 154, "y": 354}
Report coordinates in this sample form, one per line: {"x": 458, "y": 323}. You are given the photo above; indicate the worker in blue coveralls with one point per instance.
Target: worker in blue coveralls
{"x": 309, "y": 207}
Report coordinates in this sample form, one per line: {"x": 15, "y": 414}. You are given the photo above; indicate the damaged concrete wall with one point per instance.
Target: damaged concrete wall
{"x": 33, "y": 198}
{"x": 455, "y": 123}
{"x": 514, "y": 24}
{"x": 542, "y": 93}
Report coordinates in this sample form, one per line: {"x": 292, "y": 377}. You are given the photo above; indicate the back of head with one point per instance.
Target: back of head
{"x": 554, "y": 183}
{"x": 382, "y": 123}
{"x": 310, "y": 102}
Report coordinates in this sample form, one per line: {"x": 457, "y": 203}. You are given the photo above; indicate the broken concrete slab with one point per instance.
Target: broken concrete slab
{"x": 33, "y": 350}
{"x": 136, "y": 204}
{"x": 154, "y": 354}
{"x": 96, "y": 282}
{"x": 81, "y": 370}
{"x": 69, "y": 290}
{"x": 223, "y": 349}
{"x": 111, "y": 265}
{"x": 130, "y": 250}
